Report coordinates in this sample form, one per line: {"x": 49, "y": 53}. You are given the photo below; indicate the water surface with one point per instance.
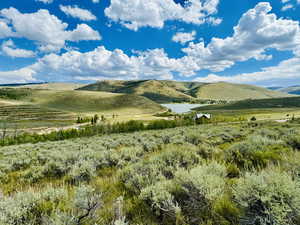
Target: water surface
{"x": 181, "y": 107}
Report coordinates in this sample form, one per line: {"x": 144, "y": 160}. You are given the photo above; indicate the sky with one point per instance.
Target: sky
{"x": 239, "y": 41}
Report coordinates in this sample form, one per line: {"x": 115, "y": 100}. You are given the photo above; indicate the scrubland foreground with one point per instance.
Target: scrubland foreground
{"x": 238, "y": 174}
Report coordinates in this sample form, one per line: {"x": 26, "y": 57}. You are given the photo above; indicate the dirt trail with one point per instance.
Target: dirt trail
{"x": 48, "y": 130}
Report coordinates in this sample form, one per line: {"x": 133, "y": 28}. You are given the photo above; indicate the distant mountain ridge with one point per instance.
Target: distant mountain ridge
{"x": 45, "y": 86}
{"x": 295, "y": 90}
{"x": 21, "y": 84}
{"x": 162, "y": 91}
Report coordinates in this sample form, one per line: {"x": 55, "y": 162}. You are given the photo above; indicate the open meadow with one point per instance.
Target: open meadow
{"x": 149, "y": 112}
{"x": 206, "y": 174}
{"x": 77, "y": 157}
{"x": 34, "y": 108}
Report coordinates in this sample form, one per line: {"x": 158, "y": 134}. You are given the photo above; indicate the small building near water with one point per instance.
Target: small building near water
{"x": 202, "y": 117}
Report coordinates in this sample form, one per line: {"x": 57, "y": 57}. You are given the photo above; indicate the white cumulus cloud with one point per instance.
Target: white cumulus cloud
{"x": 17, "y": 76}
{"x": 45, "y": 1}
{"x": 50, "y": 1}
{"x": 5, "y": 30}
{"x": 287, "y": 7}
{"x": 46, "y": 29}
{"x": 184, "y": 37}
{"x": 76, "y": 12}
{"x": 105, "y": 63}
{"x": 285, "y": 70}
{"x": 8, "y": 48}
{"x": 134, "y": 14}
{"x": 257, "y": 31}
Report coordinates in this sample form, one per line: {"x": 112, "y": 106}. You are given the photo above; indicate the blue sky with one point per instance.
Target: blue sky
{"x": 249, "y": 41}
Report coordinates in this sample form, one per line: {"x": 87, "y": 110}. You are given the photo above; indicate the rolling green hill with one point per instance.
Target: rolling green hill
{"x": 81, "y": 101}
{"x": 235, "y": 92}
{"x": 276, "y": 103}
{"x": 159, "y": 91}
{"x": 173, "y": 91}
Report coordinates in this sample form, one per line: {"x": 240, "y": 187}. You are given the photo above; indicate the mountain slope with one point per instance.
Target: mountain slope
{"x": 174, "y": 91}
{"x": 289, "y": 102}
{"x": 235, "y": 92}
{"x": 82, "y": 101}
{"x": 159, "y": 91}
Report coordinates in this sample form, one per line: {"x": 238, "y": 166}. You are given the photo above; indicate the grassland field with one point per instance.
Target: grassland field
{"x": 203, "y": 174}
{"x": 37, "y": 107}
{"x": 239, "y": 173}
{"x": 31, "y": 108}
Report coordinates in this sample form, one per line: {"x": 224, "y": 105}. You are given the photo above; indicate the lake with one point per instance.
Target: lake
{"x": 181, "y": 107}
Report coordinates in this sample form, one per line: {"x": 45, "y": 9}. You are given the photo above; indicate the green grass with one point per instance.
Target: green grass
{"x": 32, "y": 108}
{"x": 90, "y": 102}
{"x": 233, "y": 92}
{"x": 262, "y": 109}
{"x": 29, "y": 112}
{"x": 208, "y": 174}
{"x": 163, "y": 91}
{"x": 159, "y": 91}
{"x": 82, "y": 101}
{"x": 33, "y": 116}
{"x": 275, "y": 103}
{"x": 14, "y": 94}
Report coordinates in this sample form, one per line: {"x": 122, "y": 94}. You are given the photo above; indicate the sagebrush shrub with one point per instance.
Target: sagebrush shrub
{"x": 159, "y": 195}
{"x": 256, "y": 152}
{"x": 82, "y": 171}
{"x": 199, "y": 188}
{"x": 270, "y": 197}
{"x": 26, "y": 207}
{"x": 142, "y": 174}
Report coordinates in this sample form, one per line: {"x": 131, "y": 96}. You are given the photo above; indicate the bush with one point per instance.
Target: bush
{"x": 199, "y": 189}
{"x": 233, "y": 171}
{"x": 293, "y": 141}
{"x": 159, "y": 196}
{"x": 256, "y": 152}
{"x": 27, "y": 207}
{"x": 86, "y": 202}
{"x": 269, "y": 197}
{"x": 145, "y": 173}
{"x": 82, "y": 171}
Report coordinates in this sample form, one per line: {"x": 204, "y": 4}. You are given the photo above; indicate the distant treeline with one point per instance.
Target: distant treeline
{"x": 107, "y": 128}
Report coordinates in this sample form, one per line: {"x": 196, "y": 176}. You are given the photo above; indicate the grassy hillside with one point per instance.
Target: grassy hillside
{"x": 234, "y": 92}
{"x": 35, "y": 108}
{"x": 276, "y": 103}
{"x": 173, "y": 91}
{"x": 159, "y": 91}
{"x": 82, "y": 101}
